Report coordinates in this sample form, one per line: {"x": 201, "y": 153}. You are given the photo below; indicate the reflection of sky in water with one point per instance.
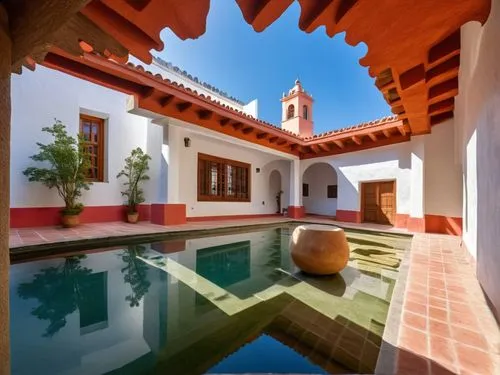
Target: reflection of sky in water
{"x": 222, "y": 308}
{"x": 265, "y": 355}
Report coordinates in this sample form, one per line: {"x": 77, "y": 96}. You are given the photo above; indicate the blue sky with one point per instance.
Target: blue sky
{"x": 248, "y": 65}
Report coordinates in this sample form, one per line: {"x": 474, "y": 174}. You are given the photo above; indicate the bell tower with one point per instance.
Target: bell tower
{"x": 297, "y": 111}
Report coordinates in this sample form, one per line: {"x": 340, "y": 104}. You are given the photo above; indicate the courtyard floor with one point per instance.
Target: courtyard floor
{"x": 439, "y": 321}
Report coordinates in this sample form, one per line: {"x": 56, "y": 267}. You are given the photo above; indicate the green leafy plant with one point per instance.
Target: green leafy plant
{"x": 136, "y": 166}
{"x": 66, "y": 163}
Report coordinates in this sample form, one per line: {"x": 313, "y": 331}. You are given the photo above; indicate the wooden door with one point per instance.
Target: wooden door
{"x": 378, "y": 200}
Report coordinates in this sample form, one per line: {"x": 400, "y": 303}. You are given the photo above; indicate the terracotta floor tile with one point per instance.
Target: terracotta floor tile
{"x": 438, "y": 314}
{"x": 438, "y": 302}
{"x": 442, "y": 351}
{"x": 413, "y": 341}
{"x": 438, "y": 328}
{"x": 474, "y": 360}
{"x": 441, "y": 293}
{"x": 466, "y": 320}
{"x": 416, "y": 308}
{"x": 411, "y": 364}
{"x": 468, "y": 337}
{"x": 416, "y": 297}
{"x": 460, "y": 307}
{"x": 415, "y": 321}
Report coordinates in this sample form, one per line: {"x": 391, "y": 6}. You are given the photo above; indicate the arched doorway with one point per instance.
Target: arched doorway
{"x": 275, "y": 191}
{"x": 319, "y": 189}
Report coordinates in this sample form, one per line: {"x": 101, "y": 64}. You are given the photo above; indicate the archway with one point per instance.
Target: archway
{"x": 275, "y": 191}
{"x": 319, "y": 189}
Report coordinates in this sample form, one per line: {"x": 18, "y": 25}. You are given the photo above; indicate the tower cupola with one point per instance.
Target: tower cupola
{"x": 297, "y": 111}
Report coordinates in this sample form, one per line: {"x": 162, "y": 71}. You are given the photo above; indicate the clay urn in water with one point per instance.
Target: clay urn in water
{"x": 319, "y": 249}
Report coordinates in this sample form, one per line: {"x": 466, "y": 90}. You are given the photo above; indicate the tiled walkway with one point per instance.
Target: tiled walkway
{"x": 445, "y": 326}
{"x": 45, "y": 235}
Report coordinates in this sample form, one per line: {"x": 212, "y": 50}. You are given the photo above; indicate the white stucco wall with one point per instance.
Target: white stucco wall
{"x": 384, "y": 163}
{"x": 442, "y": 175}
{"x": 40, "y": 96}
{"x": 477, "y": 115}
{"x": 185, "y": 182}
{"x": 319, "y": 176}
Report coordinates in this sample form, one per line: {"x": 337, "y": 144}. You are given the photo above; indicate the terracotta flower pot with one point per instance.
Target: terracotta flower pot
{"x": 70, "y": 221}
{"x": 133, "y": 217}
{"x": 319, "y": 249}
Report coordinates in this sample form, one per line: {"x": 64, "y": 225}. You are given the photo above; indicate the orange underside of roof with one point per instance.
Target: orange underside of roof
{"x": 413, "y": 46}
{"x": 167, "y": 98}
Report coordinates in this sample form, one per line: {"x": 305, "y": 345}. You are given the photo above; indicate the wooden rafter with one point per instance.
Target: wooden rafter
{"x": 237, "y": 126}
{"x": 315, "y": 149}
{"x": 166, "y": 100}
{"x": 204, "y": 114}
{"x": 324, "y": 147}
{"x": 338, "y": 143}
{"x": 402, "y": 130}
{"x": 224, "y": 121}
{"x": 247, "y": 130}
{"x": 387, "y": 133}
{"x": 357, "y": 139}
{"x": 262, "y": 135}
{"x": 184, "y": 106}
{"x": 273, "y": 139}
{"x": 373, "y": 136}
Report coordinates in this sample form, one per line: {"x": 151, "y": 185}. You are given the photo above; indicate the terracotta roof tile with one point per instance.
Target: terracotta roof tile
{"x": 167, "y": 81}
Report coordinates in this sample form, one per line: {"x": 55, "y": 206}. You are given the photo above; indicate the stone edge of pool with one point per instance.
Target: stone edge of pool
{"x": 60, "y": 247}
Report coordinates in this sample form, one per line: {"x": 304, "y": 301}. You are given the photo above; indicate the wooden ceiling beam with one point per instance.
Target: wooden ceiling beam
{"x": 35, "y": 23}
{"x": 147, "y": 92}
{"x": 338, "y": 143}
{"x": 387, "y": 133}
{"x": 324, "y": 147}
{"x": 262, "y": 135}
{"x": 273, "y": 139}
{"x": 224, "y": 121}
{"x": 184, "y": 106}
{"x": 237, "y": 125}
{"x": 402, "y": 130}
{"x": 166, "y": 100}
{"x": 247, "y": 130}
{"x": 441, "y": 107}
{"x": 439, "y": 118}
{"x": 304, "y": 149}
{"x": 204, "y": 114}
{"x": 315, "y": 149}
{"x": 356, "y": 139}
{"x": 373, "y": 137}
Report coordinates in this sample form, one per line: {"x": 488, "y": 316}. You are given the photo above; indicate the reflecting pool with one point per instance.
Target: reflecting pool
{"x": 231, "y": 303}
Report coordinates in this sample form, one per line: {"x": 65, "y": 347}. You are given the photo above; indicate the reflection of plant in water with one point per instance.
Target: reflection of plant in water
{"x": 136, "y": 273}
{"x": 59, "y": 291}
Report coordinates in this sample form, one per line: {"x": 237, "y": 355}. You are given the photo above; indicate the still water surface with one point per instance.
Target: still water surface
{"x": 223, "y": 304}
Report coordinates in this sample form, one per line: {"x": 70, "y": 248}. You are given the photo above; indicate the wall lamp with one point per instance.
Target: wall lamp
{"x": 187, "y": 142}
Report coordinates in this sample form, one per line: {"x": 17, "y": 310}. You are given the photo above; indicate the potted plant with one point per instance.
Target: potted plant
{"x": 65, "y": 163}
{"x": 136, "y": 166}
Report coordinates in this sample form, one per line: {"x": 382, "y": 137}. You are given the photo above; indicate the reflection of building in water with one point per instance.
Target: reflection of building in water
{"x": 92, "y": 324}
{"x": 113, "y": 311}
